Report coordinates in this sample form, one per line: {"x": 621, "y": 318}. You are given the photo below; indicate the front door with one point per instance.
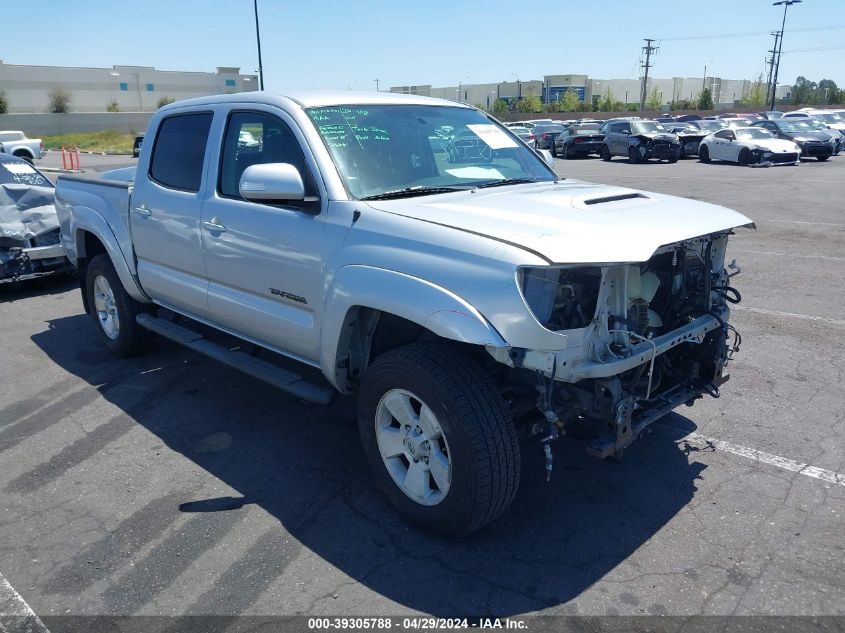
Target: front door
{"x": 263, "y": 260}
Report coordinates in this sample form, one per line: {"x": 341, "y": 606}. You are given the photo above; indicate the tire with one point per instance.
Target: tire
{"x": 553, "y": 151}
{"x": 704, "y": 154}
{"x": 605, "y": 153}
{"x": 24, "y": 156}
{"x": 822, "y": 158}
{"x": 674, "y": 159}
{"x": 744, "y": 157}
{"x": 114, "y": 311}
{"x": 633, "y": 156}
{"x": 564, "y": 152}
{"x": 477, "y": 438}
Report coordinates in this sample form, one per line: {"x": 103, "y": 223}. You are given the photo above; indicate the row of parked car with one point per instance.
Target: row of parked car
{"x": 765, "y": 138}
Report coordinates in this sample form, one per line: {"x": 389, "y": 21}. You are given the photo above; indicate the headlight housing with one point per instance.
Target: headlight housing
{"x": 561, "y": 298}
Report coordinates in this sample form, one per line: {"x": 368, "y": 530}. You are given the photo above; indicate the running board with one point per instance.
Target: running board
{"x": 255, "y": 367}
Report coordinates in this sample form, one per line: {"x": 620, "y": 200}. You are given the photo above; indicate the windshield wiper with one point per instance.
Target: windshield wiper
{"x": 409, "y": 192}
{"x": 506, "y": 181}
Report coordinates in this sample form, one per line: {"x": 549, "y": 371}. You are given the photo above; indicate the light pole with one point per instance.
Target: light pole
{"x": 376, "y": 80}
{"x": 258, "y": 39}
{"x": 786, "y": 4}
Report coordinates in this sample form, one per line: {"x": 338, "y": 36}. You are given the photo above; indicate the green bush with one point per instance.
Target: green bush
{"x": 4, "y": 103}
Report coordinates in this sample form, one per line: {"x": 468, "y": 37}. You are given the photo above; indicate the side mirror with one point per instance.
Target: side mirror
{"x": 271, "y": 181}
{"x": 547, "y": 156}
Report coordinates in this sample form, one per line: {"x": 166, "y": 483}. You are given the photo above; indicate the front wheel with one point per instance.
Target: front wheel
{"x": 704, "y": 154}
{"x": 114, "y": 310}
{"x": 744, "y": 157}
{"x": 633, "y": 155}
{"x": 439, "y": 438}
{"x": 822, "y": 158}
{"x": 605, "y": 153}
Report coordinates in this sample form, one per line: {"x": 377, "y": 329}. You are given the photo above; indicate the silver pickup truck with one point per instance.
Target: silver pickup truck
{"x": 425, "y": 260}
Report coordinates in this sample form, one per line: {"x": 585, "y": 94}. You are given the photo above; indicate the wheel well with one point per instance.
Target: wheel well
{"x": 23, "y": 152}
{"x": 368, "y": 333}
{"x": 88, "y": 247}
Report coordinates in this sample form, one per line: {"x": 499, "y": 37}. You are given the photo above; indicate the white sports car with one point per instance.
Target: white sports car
{"x": 748, "y": 146}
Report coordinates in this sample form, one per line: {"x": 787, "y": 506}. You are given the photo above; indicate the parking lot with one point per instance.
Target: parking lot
{"x": 170, "y": 484}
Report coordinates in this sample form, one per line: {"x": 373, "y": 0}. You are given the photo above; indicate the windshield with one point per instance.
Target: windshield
{"x": 647, "y": 127}
{"x": 418, "y": 149}
{"x": 744, "y": 134}
{"x": 787, "y": 125}
{"x": 21, "y": 173}
{"x": 712, "y": 126}
{"x": 830, "y": 117}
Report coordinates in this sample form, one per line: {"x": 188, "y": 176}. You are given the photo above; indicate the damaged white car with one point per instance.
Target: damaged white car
{"x": 426, "y": 261}
{"x": 29, "y": 227}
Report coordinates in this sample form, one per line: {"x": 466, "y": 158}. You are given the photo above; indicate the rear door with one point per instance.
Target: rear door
{"x": 165, "y": 212}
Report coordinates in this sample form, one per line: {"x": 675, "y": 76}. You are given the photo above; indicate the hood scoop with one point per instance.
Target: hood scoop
{"x": 606, "y": 199}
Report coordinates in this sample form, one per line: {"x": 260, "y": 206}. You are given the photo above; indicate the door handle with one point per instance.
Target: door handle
{"x": 143, "y": 210}
{"x": 214, "y": 225}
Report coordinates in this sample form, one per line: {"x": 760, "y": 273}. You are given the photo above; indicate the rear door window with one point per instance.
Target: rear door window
{"x": 179, "y": 151}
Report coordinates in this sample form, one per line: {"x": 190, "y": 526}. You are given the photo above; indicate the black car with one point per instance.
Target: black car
{"x": 136, "y": 146}
{"x": 639, "y": 140}
{"x": 544, "y": 135}
{"x": 579, "y": 139}
{"x": 29, "y": 227}
{"x": 812, "y": 143}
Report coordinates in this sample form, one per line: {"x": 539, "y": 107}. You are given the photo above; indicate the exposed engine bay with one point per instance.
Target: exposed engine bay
{"x": 642, "y": 339}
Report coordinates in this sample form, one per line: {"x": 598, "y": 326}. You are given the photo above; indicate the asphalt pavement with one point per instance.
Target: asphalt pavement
{"x": 171, "y": 484}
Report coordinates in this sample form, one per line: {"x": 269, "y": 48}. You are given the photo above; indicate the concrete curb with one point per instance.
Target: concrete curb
{"x": 95, "y": 153}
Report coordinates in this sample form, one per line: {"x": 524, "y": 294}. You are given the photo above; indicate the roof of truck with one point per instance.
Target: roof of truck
{"x": 319, "y": 98}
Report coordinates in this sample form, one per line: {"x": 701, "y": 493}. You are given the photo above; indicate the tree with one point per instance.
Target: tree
{"x": 59, "y": 101}
{"x": 165, "y": 100}
{"x": 530, "y": 103}
{"x": 113, "y": 106}
{"x": 653, "y": 102}
{"x": 829, "y": 92}
{"x": 500, "y": 105}
{"x": 756, "y": 95}
{"x": 705, "y": 100}
{"x": 4, "y": 103}
{"x": 570, "y": 102}
{"x": 607, "y": 103}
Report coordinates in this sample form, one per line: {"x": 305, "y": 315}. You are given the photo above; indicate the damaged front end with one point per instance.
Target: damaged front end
{"x": 640, "y": 340}
{"x": 660, "y": 146}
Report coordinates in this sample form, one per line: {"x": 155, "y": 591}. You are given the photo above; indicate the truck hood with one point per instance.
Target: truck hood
{"x": 571, "y": 221}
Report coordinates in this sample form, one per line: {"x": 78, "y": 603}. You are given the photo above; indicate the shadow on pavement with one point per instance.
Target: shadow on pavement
{"x": 302, "y": 464}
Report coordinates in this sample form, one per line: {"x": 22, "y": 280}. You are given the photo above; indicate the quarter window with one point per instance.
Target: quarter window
{"x": 179, "y": 151}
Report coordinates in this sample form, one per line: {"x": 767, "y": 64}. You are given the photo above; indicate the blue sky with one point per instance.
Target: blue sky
{"x": 334, "y": 44}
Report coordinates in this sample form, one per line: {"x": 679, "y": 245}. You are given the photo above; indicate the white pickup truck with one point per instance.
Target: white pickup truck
{"x": 424, "y": 259}
{"x": 14, "y": 142}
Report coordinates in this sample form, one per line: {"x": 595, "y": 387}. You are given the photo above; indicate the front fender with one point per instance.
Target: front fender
{"x": 84, "y": 220}
{"x": 422, "y": 302}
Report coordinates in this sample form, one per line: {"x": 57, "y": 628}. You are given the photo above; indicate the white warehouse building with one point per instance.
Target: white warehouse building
{"x": 133, "y": 88}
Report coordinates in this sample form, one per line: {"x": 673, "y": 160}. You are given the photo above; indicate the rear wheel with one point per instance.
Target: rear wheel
{"x": 704, "y": 154}
{"x": 24, "y": 156}
{"x": 439, "y": 438}
{"x": 553, "y": 150}
{"x": 605, "y": 153}
{"x": 564, "y": 152}
{"x": 114, "y": 310}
